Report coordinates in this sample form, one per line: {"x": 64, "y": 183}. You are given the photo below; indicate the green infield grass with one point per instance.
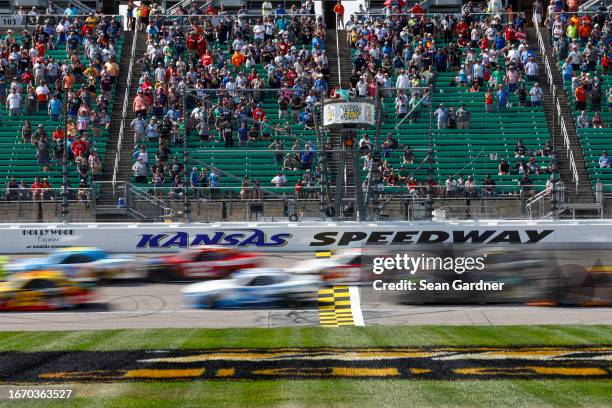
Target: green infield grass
{"x": 333, "y": 392}
{"x": 378, "y": 336}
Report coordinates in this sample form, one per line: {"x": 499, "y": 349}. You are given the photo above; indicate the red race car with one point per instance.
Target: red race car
{"x": 207, "y": 262}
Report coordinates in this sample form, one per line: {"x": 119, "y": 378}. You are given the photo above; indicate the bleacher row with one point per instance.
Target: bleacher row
{"x": 18, "y": 159}
{"x": 475, "y": 151}
{"x": 259, "y": 163}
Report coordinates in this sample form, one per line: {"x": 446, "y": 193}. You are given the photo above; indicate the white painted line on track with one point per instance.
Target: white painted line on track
{"x": 356, "y": 306}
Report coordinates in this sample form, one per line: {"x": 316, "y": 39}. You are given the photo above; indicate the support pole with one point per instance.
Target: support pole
{"x": 186, "y": 202}
{"x": 65, "y": 162}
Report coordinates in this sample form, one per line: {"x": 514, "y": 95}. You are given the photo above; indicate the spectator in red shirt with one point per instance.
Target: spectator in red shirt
{"x": 259, "y": 115}
{"x": 339, "y": 10}
{"x": 580, "y": 95}
{"x": 207, "y": 59}
{"x": 58, "y": 134}
{"x": 510, "y": 34}
{"x": 584, "y": 31}
{"x": 27, "y": 76}
{"x": 80, "y": 147}
{"x": 37, "y": 189}
{"x": 417, "y": 9}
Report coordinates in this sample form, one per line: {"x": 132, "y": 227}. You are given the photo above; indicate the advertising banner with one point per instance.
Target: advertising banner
{"x": 304, "y": 237}
{"x": 349, "y": 113}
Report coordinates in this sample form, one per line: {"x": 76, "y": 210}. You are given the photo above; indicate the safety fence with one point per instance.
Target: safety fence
{"x": 184, "y": 203}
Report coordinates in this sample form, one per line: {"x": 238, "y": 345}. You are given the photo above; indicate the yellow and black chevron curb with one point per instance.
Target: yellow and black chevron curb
{"x": 335, "y": 307}
{"x": 335, "y": 302}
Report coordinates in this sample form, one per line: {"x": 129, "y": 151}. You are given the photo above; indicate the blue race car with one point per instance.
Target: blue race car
{"x": 81, "y": 263}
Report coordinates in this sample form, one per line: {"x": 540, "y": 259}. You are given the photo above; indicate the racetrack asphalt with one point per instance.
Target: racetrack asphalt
{"x": 137, "y": 305}
{"x": 145, "y": 305}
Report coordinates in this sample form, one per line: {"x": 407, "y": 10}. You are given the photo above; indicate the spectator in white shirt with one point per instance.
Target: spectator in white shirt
{"x": 13, "y": 103}
{"x": 583, "y": 121}
{"x": 531, "y": 69}
{"x": 362, "y": 88}
{"x": 536, "y": 93}
{"x": 450, "y": 186}
{"x": 279, "y": 180}
{"x": 42, "y": 96}
{"x": 403, "y": 80}
{"x": 366, "y": 139}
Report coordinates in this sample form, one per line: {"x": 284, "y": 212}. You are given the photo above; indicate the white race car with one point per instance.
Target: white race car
{"x": 343, "y": 267}
{"x": 259, "y": 286}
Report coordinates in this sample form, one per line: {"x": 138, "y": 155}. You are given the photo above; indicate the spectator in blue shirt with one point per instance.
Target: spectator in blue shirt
{"x": 568, "y": 71}
{"x": 280, "y": 11}
{"x": 55, "y": 108}
{"x": 303, "y": 117}
{"x": 213, "y": 179}
{"x": 194, "y": 177}
{"x": 604, "y": 160}
{"x": 243, "y": 134}
{"x": 71, "y": 10}
{"x": 317, "y": 41}
{"x": 500, "y": 42}
{"x": 502, "y": 98}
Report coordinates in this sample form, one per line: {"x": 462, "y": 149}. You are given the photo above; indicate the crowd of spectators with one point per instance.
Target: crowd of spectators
{"x": 201, "y": 76}
{"x": 582, "y": 43}
{"x": 400, "y": 54}
{"x": 74, "y": 92}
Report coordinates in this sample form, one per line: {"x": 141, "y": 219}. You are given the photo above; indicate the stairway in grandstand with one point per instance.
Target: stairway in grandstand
{"x": 584, "y": 192}
{"x": 587, "y": 144}
{"x": 107, "y": 198}
{"x": 340, "y": 65}
{"x": 335, "y": 48}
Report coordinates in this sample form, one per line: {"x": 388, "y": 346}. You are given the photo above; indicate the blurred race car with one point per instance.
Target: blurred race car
{"x": 206, "y": 262}
{"x": 82, "y": 263}
{"x": 260, "y": 286}
{"x": 534, "y": 277}
{"x": 43, "y": 290}
{"x": 345, "y": 266}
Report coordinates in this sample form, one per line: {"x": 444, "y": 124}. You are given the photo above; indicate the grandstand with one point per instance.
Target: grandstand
{"x": 17, "y": 152}
{"x": 227, "y": 107}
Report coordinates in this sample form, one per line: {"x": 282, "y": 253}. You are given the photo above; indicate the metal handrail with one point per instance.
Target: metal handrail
{"x": 126, "y": 98}
{"x": 338, "y": 55}
{"x": 566, "y": 141}
{"x": 143, "y": 195}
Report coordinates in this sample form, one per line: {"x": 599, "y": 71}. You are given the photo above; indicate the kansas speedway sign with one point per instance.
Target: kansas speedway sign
{"x": 305, "y": 236}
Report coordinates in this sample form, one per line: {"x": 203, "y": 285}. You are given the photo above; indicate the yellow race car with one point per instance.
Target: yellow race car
{"x": 43, "y": 290}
